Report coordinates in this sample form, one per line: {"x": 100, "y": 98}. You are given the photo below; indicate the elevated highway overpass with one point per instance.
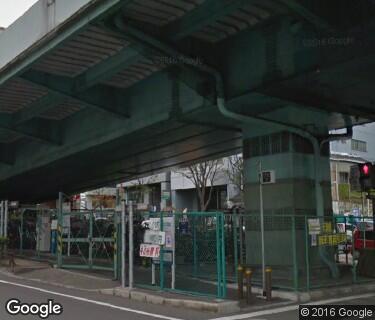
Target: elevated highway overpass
{"x": 94, "y": 92}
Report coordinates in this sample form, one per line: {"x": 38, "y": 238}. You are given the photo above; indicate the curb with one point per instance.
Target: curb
{"x": 219, "y": 306}
{"x": 312, "y": 295}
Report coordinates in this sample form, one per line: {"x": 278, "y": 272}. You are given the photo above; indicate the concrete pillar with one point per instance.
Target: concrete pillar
{"x": 292, "y": 158}
{"x": 293, "y": 194}
{"x": 166, "y": 193}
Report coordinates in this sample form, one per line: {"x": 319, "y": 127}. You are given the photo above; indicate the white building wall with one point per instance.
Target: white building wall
{"x": 363, "y": 133}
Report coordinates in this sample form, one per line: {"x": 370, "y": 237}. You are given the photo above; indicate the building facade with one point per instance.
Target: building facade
{"x": 173, "y": 190}
{"x": 345, "y": 154}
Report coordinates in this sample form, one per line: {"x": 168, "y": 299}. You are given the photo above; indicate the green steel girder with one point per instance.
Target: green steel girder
{"x": 203, "y": 15}
{"x": 7, "y": 154}
{"x": 313, "y": 100}
{"x": 106, "y": 69}
{"x": 102, "y": 98}
{"x": 193, "y": 78}
{"x": 36, "y": 108}
{"x": 100, "y": 10}
{"x": 38, "y": 130}
{"x": 307, "y": 15}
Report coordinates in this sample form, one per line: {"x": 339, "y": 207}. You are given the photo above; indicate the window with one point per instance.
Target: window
{"x": 343, "y": 177}
{"x": 136, "y": 195}
{"x": 358, "y": 145}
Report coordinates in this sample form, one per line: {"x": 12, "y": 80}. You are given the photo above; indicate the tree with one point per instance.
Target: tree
{"x": 203, "y": 175}
{"x": 235, "y": 172}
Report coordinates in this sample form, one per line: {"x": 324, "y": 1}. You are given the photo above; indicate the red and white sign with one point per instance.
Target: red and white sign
{"x": 149, "y": 250}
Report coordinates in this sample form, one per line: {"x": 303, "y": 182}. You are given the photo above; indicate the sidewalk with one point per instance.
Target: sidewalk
{"x": 103, "y": 283}
{"x": 44, "y": 273}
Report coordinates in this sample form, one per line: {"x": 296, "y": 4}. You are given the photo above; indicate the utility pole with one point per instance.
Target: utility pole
{"x": 262, "y": 228}
{"x": 123, "y": 244}
{"x": 131, "y": 244}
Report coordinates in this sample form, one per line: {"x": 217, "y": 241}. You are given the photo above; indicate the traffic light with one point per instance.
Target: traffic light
{"x": 366, "y": 176}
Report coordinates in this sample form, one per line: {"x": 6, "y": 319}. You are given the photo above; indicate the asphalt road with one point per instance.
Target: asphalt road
{"x": 84, "y": 305}
{"x": 294, "y": 314}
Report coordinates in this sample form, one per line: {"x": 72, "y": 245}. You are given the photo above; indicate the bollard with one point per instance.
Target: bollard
{"x": 12, "y": 263}
{"x": 248, "y": 274}
{"x": 240, "y": 282}
{"x": 268, "y": 284}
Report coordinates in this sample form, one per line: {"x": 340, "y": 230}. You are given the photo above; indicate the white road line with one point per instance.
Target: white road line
{"x": 293, "y": 307}
{"x": 104, "y": 304}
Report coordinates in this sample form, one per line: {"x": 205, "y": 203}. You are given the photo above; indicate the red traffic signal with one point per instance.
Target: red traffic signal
{"x": 366, "y": 176}
{"x": 365, "y": 170}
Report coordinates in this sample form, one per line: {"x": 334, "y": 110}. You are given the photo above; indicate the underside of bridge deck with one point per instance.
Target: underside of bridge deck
{"x": 100, "y": 97}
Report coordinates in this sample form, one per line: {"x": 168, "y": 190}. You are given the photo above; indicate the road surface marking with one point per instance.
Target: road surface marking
{"x": 104, "y": 304}
{"x": 292, "y": 307}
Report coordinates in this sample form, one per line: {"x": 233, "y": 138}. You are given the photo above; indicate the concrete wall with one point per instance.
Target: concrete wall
{"x": 182, "y": 199}
{"x": 156, "y": 178}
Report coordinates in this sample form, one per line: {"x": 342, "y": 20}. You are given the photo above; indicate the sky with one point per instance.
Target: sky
{"x": 10, "y": 10}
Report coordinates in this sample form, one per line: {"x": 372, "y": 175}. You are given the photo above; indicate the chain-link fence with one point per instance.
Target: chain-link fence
{"x": 29, "y": 231}
{"x": 304, "y": 252}
{"x": 87, "y": 240}
{"x": 191, "y": 260}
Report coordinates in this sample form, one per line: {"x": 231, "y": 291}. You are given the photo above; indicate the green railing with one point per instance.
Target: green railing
{"x": 304, "y": 252}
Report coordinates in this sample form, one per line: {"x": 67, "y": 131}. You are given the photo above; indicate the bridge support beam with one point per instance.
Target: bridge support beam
{"x": 292, "y": 158}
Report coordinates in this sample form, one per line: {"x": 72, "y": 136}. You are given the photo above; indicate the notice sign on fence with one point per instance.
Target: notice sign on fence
{"x": 154, "y": 237}
{"x": 149, "y": 250}
{"x": 168, "y": 229}
{"x": 332, "y": 239}
{"x": 314, "y": 226}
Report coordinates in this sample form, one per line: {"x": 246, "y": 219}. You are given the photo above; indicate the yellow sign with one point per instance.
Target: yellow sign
{"x": 331, "y": 239}
{"x": 327, "y": 227}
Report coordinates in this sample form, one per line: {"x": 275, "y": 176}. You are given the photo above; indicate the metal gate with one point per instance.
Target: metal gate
{"x": 87, "y": 240}
{"x": 193, "y": 257}
{"x": 22, "y": 230}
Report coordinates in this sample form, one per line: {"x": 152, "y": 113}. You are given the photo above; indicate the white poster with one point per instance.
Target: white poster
{"x": 168, "y": 228}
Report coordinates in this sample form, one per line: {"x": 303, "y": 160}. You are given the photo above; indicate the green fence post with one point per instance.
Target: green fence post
{"x": 294, "y": 248}
{"x": 90, "y": 239}
{"x": 161, "y": 260}
{"x": 21, "y": 232}
{"x": 195, "y": 249}
{"x": 119, "y": 248}
{"x": 39, "y": 227}
{"x": 235, "y": 223}
{"x": 218, "y": 257}
{"x": 307, "y": 256}
{"x": 354, "y": 269}
{"x": 115, "y": 246}
{"x": 59, "y": 231}
{"x": 224, "y": 287}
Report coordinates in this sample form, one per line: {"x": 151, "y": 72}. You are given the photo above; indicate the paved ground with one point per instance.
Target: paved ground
{"x": 291, "y": 312}
{"x": 40, "y": 282}
{"x": 83, "y": 305}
